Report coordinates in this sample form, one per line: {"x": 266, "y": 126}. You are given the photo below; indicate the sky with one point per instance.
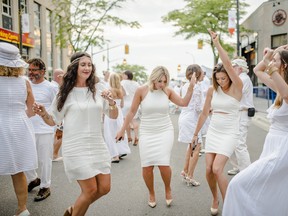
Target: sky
{"x": 154, "y": 43}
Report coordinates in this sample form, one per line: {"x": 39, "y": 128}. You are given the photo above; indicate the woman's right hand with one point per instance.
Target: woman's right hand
{"x": 267, "y": 55}
{"x": 39, "y": 109}
{"x": 193, "y": 81}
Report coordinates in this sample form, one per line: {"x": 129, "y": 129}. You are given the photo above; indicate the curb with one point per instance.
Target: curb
{"x": 261, "y": 121}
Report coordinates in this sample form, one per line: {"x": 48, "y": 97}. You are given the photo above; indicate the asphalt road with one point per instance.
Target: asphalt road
{"x": 128, "y": 194}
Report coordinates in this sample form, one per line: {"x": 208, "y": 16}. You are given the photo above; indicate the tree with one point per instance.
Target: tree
{"x": 80, "y": 23}
{"x": 139, "y": 72}
{"x": 199, "y": 15}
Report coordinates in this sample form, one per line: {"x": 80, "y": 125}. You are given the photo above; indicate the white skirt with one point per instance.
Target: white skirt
{"x": 262, "y": 188}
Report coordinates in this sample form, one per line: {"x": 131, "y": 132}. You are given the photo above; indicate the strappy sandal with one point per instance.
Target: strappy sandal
{"x": 192, "y": 182}
{"x": 68, "y": 211}
{"x": 135, "y": 142}
{"x": 183, "y": 175}
{"x": 130, "y": 140}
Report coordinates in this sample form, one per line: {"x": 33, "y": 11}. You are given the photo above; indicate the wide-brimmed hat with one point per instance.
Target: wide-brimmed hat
{"x": 10, "y": 57}
{"x": 241, "y": 63}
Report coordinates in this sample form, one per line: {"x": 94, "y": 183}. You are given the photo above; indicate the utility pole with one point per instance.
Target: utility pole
{"x": 238, "y": 29}
{"x": 20, "y": 25}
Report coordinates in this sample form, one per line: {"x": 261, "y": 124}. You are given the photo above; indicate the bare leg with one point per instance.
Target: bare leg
{"x": 148, "y": 176}
{"x": 57, "y": 145}
{"x": 218, "y": 167}
{"x": 166, "y": 177}
{"x": 211, "y": 179}
{"x": 91, "y": 190}
{"x": 128, "y": 131}
{"x": 193, "y": 161}
{"x": 20, "y": 188}
{"x": 136, "y": 127}
{"x": 187, "y": 158}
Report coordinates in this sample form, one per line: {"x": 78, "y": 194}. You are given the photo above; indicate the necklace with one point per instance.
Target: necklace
{"x": 85, "y": 101}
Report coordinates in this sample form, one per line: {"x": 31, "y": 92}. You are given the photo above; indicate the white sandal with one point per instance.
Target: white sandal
{"x": 192, "y": 182}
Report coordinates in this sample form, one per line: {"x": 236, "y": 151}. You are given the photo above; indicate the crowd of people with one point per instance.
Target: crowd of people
{"x": 92, "y": 122}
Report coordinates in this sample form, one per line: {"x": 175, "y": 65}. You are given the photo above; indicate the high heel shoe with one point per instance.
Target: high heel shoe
{"x": 129, "y": 140}
{"x": 24, "y": 213}
{"x": 183, "y": 174}
{"x": 68, "y": 211}
{"x": 168, "y": 202}
{"x": 152, "y": 204}
{"x": 214, "y": 211}
{"x": 135, "y": 142}
{"x": 192, "y": 182}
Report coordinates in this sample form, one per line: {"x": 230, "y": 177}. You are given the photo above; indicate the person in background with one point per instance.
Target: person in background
{"x": 156, "y": 133}
{"x": 130, "y": 87}
{"x": 56, "y": 82}
{"x": 261, "y": 188}
{"x": 44, "y": 93}
{"x": 85, "y": 155}
{"x": 106, "y": 75}
{"x": 187, "y": 122}
{"x": 117, "y": 149}
{"x": 17, "y": 139}
{"x": 241, "y": 158}
{"x": 223, "y": 132}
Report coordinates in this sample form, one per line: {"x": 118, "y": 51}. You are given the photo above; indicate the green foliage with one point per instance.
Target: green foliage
{"x": 199, "y": 15}
{"x": 80, "y": 23}
{"x": 139, "y": 72}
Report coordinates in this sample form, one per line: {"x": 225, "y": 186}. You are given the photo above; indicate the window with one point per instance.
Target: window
{"x": 278, "y": 40}
{"x": 7, "y": 14}
{"x": 49, "y": 43}
{"x": 37, "y": 30}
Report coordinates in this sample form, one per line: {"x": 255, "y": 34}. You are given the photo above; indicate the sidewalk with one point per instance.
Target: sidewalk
{"x": 260, "y": 119}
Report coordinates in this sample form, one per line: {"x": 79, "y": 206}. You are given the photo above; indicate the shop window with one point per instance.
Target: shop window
{"x": 278, "y": 40}
{"x": 7, "y": 14}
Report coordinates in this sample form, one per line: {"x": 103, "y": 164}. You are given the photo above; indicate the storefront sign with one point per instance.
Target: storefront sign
{"x": 13, "y": 37}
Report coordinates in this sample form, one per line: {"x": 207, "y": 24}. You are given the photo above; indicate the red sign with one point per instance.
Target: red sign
{"x": 13, "y": 37}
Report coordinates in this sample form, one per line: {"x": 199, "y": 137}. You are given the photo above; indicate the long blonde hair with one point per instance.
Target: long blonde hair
{"x": 156, "y": 75}
{"x": 11, "y": 72}
{"x": 114, "y": 81}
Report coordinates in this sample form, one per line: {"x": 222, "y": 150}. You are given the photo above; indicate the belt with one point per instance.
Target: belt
{"x": 243, "y": 109}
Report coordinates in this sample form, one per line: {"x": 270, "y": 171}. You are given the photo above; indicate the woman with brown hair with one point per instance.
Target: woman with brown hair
{"x": 223, "y": 132}
{"x": 262, "y": 187}
{"x": 187, "y": 122}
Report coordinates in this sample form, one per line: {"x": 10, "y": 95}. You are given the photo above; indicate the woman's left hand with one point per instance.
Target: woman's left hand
{"x": 214, "y": 36}
{"x": 107, "y": 95}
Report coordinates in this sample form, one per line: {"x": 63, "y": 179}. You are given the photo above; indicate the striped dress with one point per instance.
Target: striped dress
{"x": 17, "y": 139}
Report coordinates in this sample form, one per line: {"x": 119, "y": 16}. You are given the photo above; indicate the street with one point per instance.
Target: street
{"x": 128, "y": 195}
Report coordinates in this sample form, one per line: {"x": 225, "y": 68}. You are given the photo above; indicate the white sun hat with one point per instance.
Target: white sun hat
{"x": 10, "y": 57}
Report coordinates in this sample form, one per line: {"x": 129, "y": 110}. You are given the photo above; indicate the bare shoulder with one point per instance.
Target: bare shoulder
{"x": 210, "y": 90}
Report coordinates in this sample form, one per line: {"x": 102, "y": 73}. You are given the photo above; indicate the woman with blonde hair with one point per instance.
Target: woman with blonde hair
{"x": 17, "y": 139}
{"x": 156, "y": 133}
{"x": 263, "y": 185}
{"x": 111, "y": 126}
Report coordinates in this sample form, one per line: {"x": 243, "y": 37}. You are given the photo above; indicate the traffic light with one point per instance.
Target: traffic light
{"x": 126, "y": 49}
{"x": 124, "y": 62}
{"x": 200, "y": 43}
{"x": 179, "y": 68}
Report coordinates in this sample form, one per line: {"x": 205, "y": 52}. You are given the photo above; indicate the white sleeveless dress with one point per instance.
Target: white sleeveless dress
{"x": 262, "y": 188}
{"x": 223, "y": 131}
{"x": 17, "y": 138}
{"x": 156, "y": 132}
{"x": 111, "y": 127}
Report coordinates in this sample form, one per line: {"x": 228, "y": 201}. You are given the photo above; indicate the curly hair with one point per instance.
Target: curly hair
{"x": 11, "y": 72}
{"x": 70, "y": 78}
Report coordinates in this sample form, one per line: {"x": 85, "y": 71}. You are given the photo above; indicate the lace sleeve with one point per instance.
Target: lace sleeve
{"x": 198, "y": 99}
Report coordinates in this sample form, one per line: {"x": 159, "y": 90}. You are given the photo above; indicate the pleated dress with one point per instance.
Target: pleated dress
{"x": 17, "y": 138}
{"x": 262, "y": 188}
{"x": 156, "y": 132}
{"x": 111, "y": 127}
{"x": 223, "y": 131}
{"x": 85, "y": 153}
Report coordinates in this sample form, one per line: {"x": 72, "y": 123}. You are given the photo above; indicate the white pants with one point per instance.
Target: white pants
{"x": 240, "y": 159}
{"x": 44, "y": 145}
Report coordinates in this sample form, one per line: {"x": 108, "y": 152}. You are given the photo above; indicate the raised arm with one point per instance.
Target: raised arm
{"x": 177, "y": 99}
{"x": 236, "y": 81}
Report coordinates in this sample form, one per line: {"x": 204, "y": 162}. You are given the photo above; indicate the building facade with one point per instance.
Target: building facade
{"x": 267, "y": 27}
{"x": 38, "y": 31}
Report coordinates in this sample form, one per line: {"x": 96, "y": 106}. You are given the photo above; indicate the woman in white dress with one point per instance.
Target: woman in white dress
{"x": 187, "y": 122}
{"x": 85, "y": 155}
{"x": 111, "y": 126}
{"x": 156, "y": 133}
{"x": 262, "y": 188}
{"x": 17, "y": 139}
{"x": 130, "y": 87}
{"x": 223, "y": 132}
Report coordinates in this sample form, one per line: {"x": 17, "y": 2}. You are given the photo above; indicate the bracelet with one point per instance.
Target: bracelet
{"x": 271, "y": 70}
{"x": 114, "y": 103}
{"x": 195, "y": 135}
{"x": 112, "y": 107}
